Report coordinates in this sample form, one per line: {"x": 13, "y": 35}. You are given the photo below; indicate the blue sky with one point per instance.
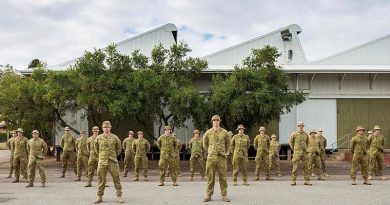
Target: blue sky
{"x": 58, "y": 30}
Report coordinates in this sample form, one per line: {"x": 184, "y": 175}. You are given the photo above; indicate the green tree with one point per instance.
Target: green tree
{"x": 255, "y": 93}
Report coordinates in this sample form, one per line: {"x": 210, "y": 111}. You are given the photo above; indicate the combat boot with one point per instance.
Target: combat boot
{"x": 257, "y": 178}
{"x": 326, "y": 174}
{"x": 321, "y": 178}
{"x": 29, "y": 185}
{"x": 367, "y": 182}
{"x": 62, "y": 176}
{"x": 78, "y": 179}
{"x": 88, "y": 185}
{"x": 135, "y": 179}
{"x": 191, "y": 178}
{"x": 279, "y": 175}
{"x": 269, "y": 178}
{"x": 382, "y": 178}
{"x": 9, "y": 176}
{"x": 246, "y": 183}
{"x": 175, "y": 183}
{"x": 125, "y": 175}
{"x": 16, "y": 180}
{"x": 313, "y": 175}
{"x": 207, "y": 198}
{"x": 120, "y": 199}
{"x": 353, "y": 181}
{"x": 293, "y": 183}
{"x": 225, "y": 199}
{"x": 43, "y": 184}
{"x": 99, "y": 199}
{"x": 161, "y": 184}
{"x": 307, "y": 183}
{"x": 234, "y": 183}
{"x": 146, "y": 178}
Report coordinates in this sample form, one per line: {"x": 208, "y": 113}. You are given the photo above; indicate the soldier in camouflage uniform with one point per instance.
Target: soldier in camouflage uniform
{"x": 108, "y": 147}
{"x": 20, "y": 155}
{"x": 11, "y": 156}
{"x": 240, "y": 145}
{"x": 196, "y": 160}
{"x": 82, "y": 155}
{"x": 68, "y": 144}
{"x": 299, "y": 141}
{"x": 168, "y": 148}
{"x": 376, "y": 143}
{"x": 261, "y": 144}
{"x": 274, "y": 160}
{"x": 358, "y": 146}
{"x": 323, "y": 144}
{"x": 314, "y": 155}
{"x": 140, "y": 147}
{"x": 127, "y": 145}
{"x": 93, "y": 157}
{"x": 217, "y": 142}
{"x": 37, "y": 149}
{"x": 375, "y": 169}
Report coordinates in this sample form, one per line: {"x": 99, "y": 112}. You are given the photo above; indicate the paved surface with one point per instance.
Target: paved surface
{"x": 336, "y": 190}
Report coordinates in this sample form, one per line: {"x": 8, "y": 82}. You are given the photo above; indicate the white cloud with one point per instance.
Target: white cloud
{"x": 56, "y": 31}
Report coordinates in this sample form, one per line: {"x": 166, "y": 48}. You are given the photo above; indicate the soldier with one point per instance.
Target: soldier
{"x": 274, "y": 150}
{"x": 239, "y": 147}
{"x": 37, "y": 149}
{"x": 140, "y": 147}
{"x": 299, "y": 141}
{"x": 376, "y": 143}
{"x": 93, "y": 157}
{"x": 217, "y": 142}
{"x": 20, "y": 155}
{"x": 82, "y": 155}
{"x": 11, "y": 148}
{"x": 358, "y": 146}
{"x": 129, "y": 153}
{"x": 375, "y": 169}
{"x": 261, "y": 144}
{"x": 314, "y": 154}
{"x": 196, "y": 160}
{"x": 68, "y": 144}
{"x": 168, "y": 146}
{"x": 108, "y": 147}
{"x": 323, "y": 144}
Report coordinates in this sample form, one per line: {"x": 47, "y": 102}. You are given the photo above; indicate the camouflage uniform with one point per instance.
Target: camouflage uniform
{"x": 127, "y": 145}
{"x": 11, "y": 148}
{"x": 373, "y": 171}
{"x": 68, "y": 144}
{"x": 299, "y": 141}
{"x": 37, "y": 149}
{"x": 20, "y": 157}
{"x": 358, "y": 146}
{"x": 376, "y": 143}
{"x": 141, "y": 147}
{"x": 240, "y": 145}
{"x": 314, "y": 155}
{"x": 262, "y": 144}
{"x": 323, "y": 144}
{"x": 82, "y": 156}
{"x": 168, "y": 152}
{"x": 196, "y": 160}
{"x": 93, "y": 159}
{"x": 108, "y": 147}
{"x": 274, "y": 156}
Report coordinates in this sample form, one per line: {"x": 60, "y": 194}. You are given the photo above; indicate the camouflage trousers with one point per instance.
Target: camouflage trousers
{"x": 262, "y": 162}
{"x": 11, "y": 164}
{"x": 113, "y": 168}
{"x": 362, "y": 161}
{"x": 20, "y": 165}
{"x": 323, "y": 161}
{"x": 240, "y": 163}
{"x": 376, "y": 164}
{"x": 274, "y": 161}
{"x": 36, "y": 162}
{"x": 141, "y": 161}
{"x": 300, "y": 158}
{"x": 216, "y": 164}
{"x": 314, "y": 164}
{"x": 196, "y": 161}
{"x": 68, "y": 156}
{"x": 129, "y": 159}
{"x": 92, "y": 165}
{"x": 82, "y": 161}
{"x": 164, "y": 163}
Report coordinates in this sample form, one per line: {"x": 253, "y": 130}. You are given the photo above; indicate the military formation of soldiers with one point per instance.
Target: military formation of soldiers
{"x": 100, "y": 152}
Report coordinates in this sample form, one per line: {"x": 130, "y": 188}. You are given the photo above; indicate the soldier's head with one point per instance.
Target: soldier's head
{"x": 140, "y": 134}
{"x": 319, "y": 132}
{"x": 130, "y": 134}
{"x": 273, "y": 137}
{"x": 20, "y": 132}
{"x": 240, "y": 129}
{"x": 67, "y": 130}
{"x": 377, "y": 130}
{"x": 82, "y": 133}
{"x": 95, "y": 130}
{"x": 262, "y": 130}
{"x": 360, "y": 130}
{"x": 216, "y": 120}
{"x": 106, "y": 126}
{"x": 13, "y": 133}
{"x": 370, "y": 132}
{"x": 196, "y": 133}
{"x": 300, "y": 126}
{"x": 167, "y": 130}
{"x": 35, "y": 133}
{"x": 313, "y": 132}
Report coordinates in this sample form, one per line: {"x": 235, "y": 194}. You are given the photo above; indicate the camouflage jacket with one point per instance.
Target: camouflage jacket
{"x": 20, "y": 147}
{"x": 217, "y": 143}
{"x": 261, "y": 143}
{"x": 68, "y": 143}
{"x": 127, "y": 145}
{"x": 82, "y": 146}
{"x": 108, "y": 147}
{"x": 299, "y": 142}
{"x": 240, "y": 145}
{"x": 10, "y": 145}
{"x": 196, "y": 146}
{"x": 376, "y": 143}
{"x": 167, "y": 146}
{"x": 314, "y": 146}
{"x": 91, "y": 147}
{"x": 141, "y": 147}
{"x": 358, "y": 144}
{"x": 37, "y": 148}
{"x": 274, "y": 148}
